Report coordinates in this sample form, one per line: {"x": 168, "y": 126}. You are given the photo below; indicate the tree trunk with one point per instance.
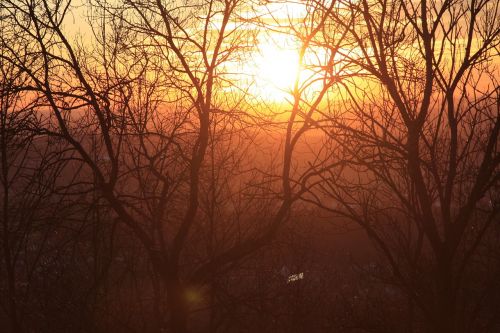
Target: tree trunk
{"x": 445, "y": 298}
{"x": 177, "y": 306}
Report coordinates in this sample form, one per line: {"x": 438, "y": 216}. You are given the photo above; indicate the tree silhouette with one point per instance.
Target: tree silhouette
{"x": 146, "y": 185}
{"x": 419, "y": 141}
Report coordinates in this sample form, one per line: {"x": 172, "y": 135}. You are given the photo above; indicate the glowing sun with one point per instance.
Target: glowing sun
{"x": 276, "y": 66}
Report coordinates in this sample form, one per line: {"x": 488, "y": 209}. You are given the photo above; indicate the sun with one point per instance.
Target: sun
{"x": 276, "y": 67}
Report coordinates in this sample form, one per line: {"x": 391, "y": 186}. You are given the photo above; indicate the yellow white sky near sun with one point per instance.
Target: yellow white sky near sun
{"x": 272, "y": 67}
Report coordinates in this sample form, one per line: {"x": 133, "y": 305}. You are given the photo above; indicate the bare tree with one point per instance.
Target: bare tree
{"x": 418, "y": 141}
{"x": 141, "y": 110}
{"x": 34, "y": 201}
{"x": 392, "y": 122}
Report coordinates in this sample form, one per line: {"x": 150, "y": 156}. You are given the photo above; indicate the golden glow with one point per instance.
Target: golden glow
{"x": 275, "y": 67}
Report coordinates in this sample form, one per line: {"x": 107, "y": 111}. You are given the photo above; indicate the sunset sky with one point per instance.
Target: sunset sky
{"x": 249, "y": 166}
